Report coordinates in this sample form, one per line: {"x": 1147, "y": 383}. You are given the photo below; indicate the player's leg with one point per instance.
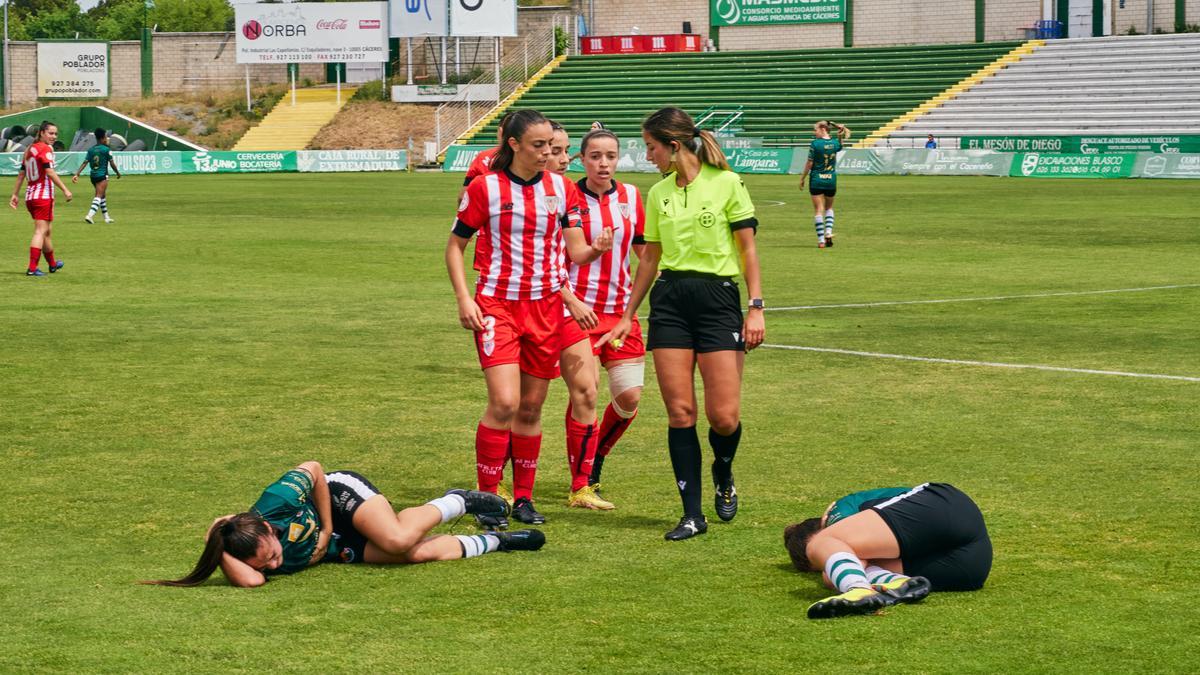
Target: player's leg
{"x": 35, "y": 246}
{"x": 102, "y": 193}
{"x": 722, "y": 375}
{"x": 95, "y": 206}
{"x": 625, "y": 381}
{"x": 395, "y": 538}
{"x": 829, "y": 218}
{"x": 583, "y": 428}
{"x": 527, "y": 446}
{"x": 839, "y": 550}
{"x": 818, "y": 201}
{"x": 52, "y": 264}
{"x": 945, "y": 537}
{"x": 675, "y": 370}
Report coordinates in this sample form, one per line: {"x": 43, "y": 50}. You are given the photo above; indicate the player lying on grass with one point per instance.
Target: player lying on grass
{"x": 881, "y": 547}
{"x": 308, "y": 516}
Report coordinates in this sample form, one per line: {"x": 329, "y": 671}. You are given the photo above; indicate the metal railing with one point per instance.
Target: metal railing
{"x": 512, "y": 68}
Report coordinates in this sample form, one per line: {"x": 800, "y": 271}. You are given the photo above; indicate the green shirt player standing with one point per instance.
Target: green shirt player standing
{"x": 822, "y": 163}
{"x": 98, "y": 160}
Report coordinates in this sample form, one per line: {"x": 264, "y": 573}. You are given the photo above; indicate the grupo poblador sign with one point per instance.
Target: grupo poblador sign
{"x": 310, "y": 32}
{"x": 72, "y": 69}
{"x": 765, "y": 12}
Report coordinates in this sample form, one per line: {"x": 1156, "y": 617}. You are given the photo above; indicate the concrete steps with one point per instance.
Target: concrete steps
{"x": 292, "y": 127}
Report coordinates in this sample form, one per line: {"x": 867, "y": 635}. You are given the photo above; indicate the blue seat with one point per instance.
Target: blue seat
{"x": 1049, "y": 29}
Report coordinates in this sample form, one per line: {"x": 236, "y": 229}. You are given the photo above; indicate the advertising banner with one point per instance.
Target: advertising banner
{"x": 312, "y": 32}
{"x": 351, "y": 160}
{"x": 849, "y": 163}
{"x": 490, "y": 18}
{"x": 768, "y": 12}
{"x": 1083, "y": 145}
{"x": 760, "y": 160}
{"x": 1047, "y": 165}
{"x": 459, "y": 157}
{"x": 72, "y": 70}
{"x": 945, "y": 162}
{"x": 419, "y": 18}
{"x": 1156, "y": 165}
{"x": 218, "y": 161}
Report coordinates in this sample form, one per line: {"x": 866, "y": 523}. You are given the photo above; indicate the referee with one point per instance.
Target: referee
{"x": 880, "y": 547}
{"x": 699, "y": 233}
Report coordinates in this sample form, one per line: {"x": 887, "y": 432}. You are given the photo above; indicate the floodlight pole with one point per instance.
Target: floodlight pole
{"x": 7, "y": 83}
{"x": 248, "y": 107}
{"x": 408, "y": 46}
{"x": 292, "y": 68}
{"x": 444, "y": 67}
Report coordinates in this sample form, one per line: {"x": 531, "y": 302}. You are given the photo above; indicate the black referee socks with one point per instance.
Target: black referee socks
{"x": 724, "y": 447}
{"x": 684, "y": 445}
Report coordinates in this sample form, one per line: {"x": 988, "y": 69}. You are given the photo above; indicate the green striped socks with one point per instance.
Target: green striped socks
{"x": 879, "y": 576}
{"x": 845, "y": 571}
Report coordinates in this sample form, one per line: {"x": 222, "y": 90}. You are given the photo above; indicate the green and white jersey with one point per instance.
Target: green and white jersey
{"x": 823, "y": 153}
{"x": 287, "y": 505}
{"x": 97, "y": 160}
{"x": 695, "y": 224}
{"x": 861, "y": 501}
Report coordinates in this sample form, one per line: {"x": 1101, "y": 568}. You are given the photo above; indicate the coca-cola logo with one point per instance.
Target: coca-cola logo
{"x": 336, "y": 24}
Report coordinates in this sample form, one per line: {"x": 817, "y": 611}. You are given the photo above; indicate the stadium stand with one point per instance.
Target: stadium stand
{"x": 292, "y": 127}
{"x": 781, "y": 93}
{"x": 1093, "y": 86}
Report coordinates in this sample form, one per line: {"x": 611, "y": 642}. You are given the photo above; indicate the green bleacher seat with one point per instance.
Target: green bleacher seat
{"x": 781, "y": 93}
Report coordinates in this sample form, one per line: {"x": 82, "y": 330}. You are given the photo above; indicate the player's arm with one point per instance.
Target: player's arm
{"x": 237, "y": 572}
{"x": 579, "y": 310}
{"x": 53, "y": 175}
{"x": 15, "y": 201}
{"x": 113, "y": 163}
{"x": 807, "y": 168}
{"x": 580, "y": 251}
{"x": 320, "y": 499}
{"x": 647, "y": 271}
{"x": 86, "y": 161}
{"x": 469, "y": 314}
{"x": 753, "y": 327}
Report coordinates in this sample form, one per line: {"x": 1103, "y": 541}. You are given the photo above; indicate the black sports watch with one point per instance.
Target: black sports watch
{"x": 756, "y": 303}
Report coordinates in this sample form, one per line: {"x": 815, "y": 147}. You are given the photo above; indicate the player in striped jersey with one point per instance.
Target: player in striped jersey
{"x": 483, "y": 161}
{"x": 611, "y": 218}
{"x": 880, "y": 547}
{"x": 516, "y": 311}
{"x": 37, "y": 166}
{"x": 309, "y": 516}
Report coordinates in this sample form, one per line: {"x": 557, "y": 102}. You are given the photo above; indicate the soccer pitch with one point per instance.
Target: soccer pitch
{"x": 227, "y": 328}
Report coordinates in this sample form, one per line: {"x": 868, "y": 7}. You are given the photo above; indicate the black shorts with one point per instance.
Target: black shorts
{"x": 828, "y": 192}
{"x": 347, "y": 491}
{"x": 691, "y": 310}
{"x": 942, "y": 536}
{"x": 97, "y": 180}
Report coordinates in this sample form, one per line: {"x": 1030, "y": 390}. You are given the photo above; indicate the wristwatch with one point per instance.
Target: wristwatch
{"x": 756, "y": 303}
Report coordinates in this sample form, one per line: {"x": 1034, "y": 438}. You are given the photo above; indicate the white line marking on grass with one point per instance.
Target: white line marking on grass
{"x": 770, "y": 202}
{"x": 983, "y": 299}
{"x": 989, "y": 364}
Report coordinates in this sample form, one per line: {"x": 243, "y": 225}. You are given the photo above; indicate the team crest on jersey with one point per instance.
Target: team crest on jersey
{"x": 624, "y": 209}
{"x": 551, "y": 202}
{"x": 464, "y": 202}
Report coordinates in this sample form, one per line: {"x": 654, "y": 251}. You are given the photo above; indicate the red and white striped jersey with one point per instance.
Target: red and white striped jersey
{"x": 38, "y": 158}
{"x": 604, "y": 284}
{"x": 481, "y": 164}
{"x": 519, "y": 252}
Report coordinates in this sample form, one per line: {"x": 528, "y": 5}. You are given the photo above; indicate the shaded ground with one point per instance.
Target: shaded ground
{"x": 377, "y": 124}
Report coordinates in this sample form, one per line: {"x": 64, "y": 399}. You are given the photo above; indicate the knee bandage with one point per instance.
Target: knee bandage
{"x": 625, "y": 376}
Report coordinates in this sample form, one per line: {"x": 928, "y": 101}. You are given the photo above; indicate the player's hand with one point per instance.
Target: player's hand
{"x": 583, "y": 315}
{"x": 68, "y": 195}
{"x": 322, "y": 547}
{"x": 754, "y": 328}
{"x": 75, "y": 178}
{"x": 13, "y": 202}
{"x": 801, "y": 183}
{"x": 619, "y": 332}
{"x": 469, "y": 315}
{"x": 603, "y": 243}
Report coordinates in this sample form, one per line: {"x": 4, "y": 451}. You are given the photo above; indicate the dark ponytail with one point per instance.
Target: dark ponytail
{"x": 238, "y": 536}
{"x": 515, "y": 127}
{"x": 674, "y": 125}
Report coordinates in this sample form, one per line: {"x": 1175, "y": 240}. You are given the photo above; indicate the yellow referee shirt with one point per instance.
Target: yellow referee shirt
{"x": 695, "y": 224}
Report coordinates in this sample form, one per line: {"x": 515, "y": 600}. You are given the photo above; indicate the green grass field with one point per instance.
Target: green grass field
{"x": 227, "y": 328}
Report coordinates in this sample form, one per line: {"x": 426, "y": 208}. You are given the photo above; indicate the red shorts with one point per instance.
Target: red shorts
{"x": 41, "y": 209}
{"x": 632, "y": 348}
{"x": 525, "y": 332}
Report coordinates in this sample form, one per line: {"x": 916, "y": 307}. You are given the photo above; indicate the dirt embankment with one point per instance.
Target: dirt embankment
{"x": 365, "y": 125}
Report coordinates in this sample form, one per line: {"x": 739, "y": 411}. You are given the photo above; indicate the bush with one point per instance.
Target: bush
{"x": 369, "y": 91}
{"x": 1132, "y": 31}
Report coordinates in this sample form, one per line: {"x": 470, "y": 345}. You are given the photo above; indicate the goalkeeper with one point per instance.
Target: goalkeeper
{"x": 881, "y": 547}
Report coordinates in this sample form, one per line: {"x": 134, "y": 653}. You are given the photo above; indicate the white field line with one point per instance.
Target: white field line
{"x": 983, "y": 299}
{"x": 989, "y": 364}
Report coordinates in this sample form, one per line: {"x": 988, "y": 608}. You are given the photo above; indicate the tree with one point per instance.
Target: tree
{"x": 119, "y": 19}
{"x": 178, "y": 16}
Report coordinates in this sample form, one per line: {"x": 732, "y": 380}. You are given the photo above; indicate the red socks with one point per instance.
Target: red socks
{"x": 49, "y": 255}
{"x": 34, "y": 255}
{"x": 582, "y": 440}
{"x": 611, "y": 429}
{"x": 491, "y": 449}
{"x": 525, "y": 451}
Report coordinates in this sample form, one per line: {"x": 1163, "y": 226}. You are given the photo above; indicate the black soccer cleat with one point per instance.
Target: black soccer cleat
{"x": 481, "y": 503}
{"x": 829, "y": 241}
{"x": 907, "y": 590}
{"x": 853, "y": 601}
{"x": 520, "y": 540}
{"x": 688, "y": 527}
{"x": 523, "y": 511}
{"x": 491, "y": 522}
{"x": 726, "y": 500}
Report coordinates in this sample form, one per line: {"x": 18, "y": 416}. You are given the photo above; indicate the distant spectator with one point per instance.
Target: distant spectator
{"x": 930, "y": 142}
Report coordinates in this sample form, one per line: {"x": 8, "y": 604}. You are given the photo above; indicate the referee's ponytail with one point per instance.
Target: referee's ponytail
{"x": 514, "y": 127}
{"x": 672, "y": 125}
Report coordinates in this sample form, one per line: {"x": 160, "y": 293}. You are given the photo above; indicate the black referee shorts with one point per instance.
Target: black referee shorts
{"x": 347, "y": 491}
{"x": 692, "y": 310}
{"x": 942, "y": 536}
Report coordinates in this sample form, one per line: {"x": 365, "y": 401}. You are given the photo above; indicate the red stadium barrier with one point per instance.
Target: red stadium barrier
{"x": 640, "y": 44}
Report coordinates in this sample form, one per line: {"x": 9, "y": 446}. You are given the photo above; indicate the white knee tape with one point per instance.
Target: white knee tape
{"x": 625, "y": 376}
